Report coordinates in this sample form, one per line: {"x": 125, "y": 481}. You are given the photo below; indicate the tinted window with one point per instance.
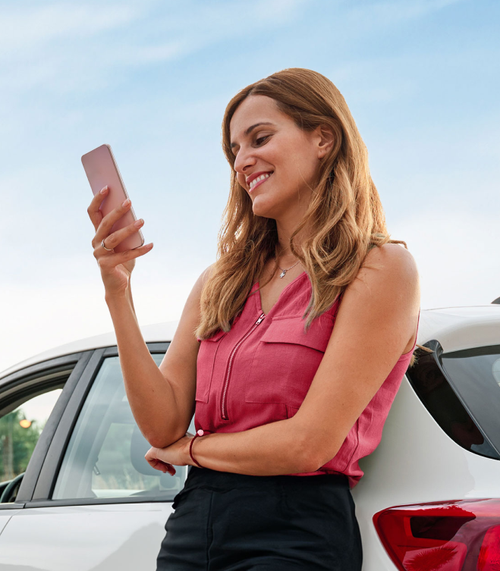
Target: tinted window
{"x": 475, "y": 375}
{"x": 105, "y": 455}
{"x": 461, "y": 390}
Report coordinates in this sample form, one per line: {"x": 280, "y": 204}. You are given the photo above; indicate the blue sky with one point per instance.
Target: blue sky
{"x": 152, "y": 79}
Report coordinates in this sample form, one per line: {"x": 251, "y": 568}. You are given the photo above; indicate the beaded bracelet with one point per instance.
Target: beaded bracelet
{"x": 197, "y": 435}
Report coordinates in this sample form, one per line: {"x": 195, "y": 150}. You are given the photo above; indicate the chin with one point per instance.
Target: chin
{"x": 263, "y": 213}
{"x": 260, "y": 208}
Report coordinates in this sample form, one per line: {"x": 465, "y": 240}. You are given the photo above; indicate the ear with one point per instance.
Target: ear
{"x": 324, "y": 140}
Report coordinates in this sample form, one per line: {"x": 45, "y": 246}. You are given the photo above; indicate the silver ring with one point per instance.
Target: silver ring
{"x": 107, "y": 249}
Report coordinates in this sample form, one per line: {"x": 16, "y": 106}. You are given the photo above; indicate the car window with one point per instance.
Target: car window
{"x": 461, "y": 390}
{"x": 105, "y": 455}
{"x": 20, "y": 430}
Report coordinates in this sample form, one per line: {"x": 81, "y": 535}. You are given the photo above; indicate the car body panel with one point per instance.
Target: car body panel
{"x": 416, "y": 462}
{"x": 458, "y": 328}
{"x": 430, "y": 467}
{"x": 122, "y": 537}
{"x": 4, "y": 520}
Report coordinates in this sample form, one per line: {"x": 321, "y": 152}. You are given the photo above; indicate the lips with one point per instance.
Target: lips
{"x": 256, "y": 179}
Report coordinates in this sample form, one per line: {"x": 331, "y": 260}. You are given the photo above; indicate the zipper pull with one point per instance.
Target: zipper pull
{"x": 261, "y": 319}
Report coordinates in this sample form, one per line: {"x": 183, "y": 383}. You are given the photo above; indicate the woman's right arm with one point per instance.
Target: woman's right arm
{"x": 161, "y": 399}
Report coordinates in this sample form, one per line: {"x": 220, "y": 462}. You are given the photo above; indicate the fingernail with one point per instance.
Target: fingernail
{"x": 104, "y": 190}
{"x": 139, "y": 223}
{"x": 126, "y": 202}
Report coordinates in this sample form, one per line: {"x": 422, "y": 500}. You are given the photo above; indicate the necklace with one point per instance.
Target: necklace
{"x": 283, "y": 272}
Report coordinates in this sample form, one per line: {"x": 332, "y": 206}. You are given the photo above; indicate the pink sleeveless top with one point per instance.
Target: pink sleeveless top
{"x": 260, "y": 371}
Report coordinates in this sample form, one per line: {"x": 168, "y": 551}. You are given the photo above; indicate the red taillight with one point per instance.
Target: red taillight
{"x": 450, "y": 536}
{"x": 489, "y": 556}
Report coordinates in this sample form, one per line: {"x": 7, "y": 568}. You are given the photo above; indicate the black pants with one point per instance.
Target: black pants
{"x": 230, "y": 522}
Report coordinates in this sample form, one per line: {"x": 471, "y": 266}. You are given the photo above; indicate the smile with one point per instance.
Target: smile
{"x": 258, "y": 180}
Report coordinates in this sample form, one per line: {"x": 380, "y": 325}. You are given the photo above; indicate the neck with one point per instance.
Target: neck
{"x": 284, "y": 253}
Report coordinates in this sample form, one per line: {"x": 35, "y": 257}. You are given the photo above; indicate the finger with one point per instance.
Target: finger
{"x": 117, "y": 237}
{"x": 152, "y": 458}
{"x": 158, "y": 464}
{"x": 107, "y": 222}
{"x": 111, "y": 259}
{"x": 150, "y": 454}
{"x": 93, "y": 210}
{"x": 168, "y": 468}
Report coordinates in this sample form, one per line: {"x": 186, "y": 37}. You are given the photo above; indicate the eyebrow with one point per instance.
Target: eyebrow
{"x": 250, "y": 129}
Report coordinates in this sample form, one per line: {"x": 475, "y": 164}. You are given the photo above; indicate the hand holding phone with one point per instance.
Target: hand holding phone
{"x": 102, "y": 170}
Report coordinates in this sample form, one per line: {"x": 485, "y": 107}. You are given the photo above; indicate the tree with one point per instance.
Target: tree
{"x": 16, "y": 444}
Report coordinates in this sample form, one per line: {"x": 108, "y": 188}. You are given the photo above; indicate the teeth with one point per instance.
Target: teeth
{"x": 258, "y": 179}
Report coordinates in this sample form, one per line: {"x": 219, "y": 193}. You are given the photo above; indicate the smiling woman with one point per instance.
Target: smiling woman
{"x": 335, "y": 213}
{"x": 279, "y": 149}
{"x": 304, "y": 327}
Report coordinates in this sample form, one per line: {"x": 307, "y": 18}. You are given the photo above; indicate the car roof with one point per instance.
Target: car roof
{"x": 155, "y": 333}
{"x": 458, "y": 328}
{"x": 455, "y": 328}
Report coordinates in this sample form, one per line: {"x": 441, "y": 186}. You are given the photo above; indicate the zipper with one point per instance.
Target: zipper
{"x": 223, "y": 405}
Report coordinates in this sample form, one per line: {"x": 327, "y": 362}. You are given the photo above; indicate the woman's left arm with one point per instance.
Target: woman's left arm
{"x": 376, "y": 323}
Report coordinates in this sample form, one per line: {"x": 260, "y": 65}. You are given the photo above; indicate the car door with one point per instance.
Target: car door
{"x": 35, "y": 391}
{"x": 89, "y": 500}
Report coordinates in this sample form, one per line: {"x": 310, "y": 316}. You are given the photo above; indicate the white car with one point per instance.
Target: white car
{"x": 87, "y": 500}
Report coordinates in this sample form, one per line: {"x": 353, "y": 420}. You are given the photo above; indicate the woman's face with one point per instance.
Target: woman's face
{"x": 276, "y": 162}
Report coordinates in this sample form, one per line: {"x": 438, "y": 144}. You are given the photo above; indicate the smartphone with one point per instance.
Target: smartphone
{"x": 101, "y": 169}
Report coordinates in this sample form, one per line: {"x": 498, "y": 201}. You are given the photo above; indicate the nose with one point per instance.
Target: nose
{"x": 244, "y": 160}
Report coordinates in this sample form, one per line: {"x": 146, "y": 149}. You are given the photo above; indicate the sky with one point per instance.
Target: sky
{"x": 152, "y": 79}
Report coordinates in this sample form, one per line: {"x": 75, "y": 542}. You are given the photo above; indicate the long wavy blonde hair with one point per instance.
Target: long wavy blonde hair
{"x": 344, "y": 219}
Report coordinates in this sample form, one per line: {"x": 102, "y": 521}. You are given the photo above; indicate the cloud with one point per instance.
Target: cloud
{"x": 279, "y": 11}
{"x": 457, "y": 255}
{"x": 64, "y": 47}
{"x": 22, "y": 31}
{"x": 374, "y": 15}
{"x": 75, "y": 74}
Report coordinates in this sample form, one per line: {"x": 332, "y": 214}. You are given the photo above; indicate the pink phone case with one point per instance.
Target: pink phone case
{"x": 101, "y": 169}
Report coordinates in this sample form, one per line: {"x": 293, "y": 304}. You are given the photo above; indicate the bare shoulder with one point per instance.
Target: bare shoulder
{"x": 383, "y": 301}
{"x": 391, "y": 257}
{"x": 386, "y": 285}
{"x": 387, "y": 269}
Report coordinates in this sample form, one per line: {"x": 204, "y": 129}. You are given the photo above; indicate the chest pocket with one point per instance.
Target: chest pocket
{"x": 286, "y": 360}
{"x": 205, "y": 365}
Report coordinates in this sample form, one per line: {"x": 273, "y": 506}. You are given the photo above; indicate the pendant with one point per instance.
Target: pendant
{"x": 283, "y": 273}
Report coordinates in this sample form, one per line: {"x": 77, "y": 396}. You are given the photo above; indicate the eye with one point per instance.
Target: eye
{"x": 261, "y": 140}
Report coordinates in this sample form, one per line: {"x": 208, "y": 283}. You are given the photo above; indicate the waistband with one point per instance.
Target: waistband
{"x": 223, "y": 481}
